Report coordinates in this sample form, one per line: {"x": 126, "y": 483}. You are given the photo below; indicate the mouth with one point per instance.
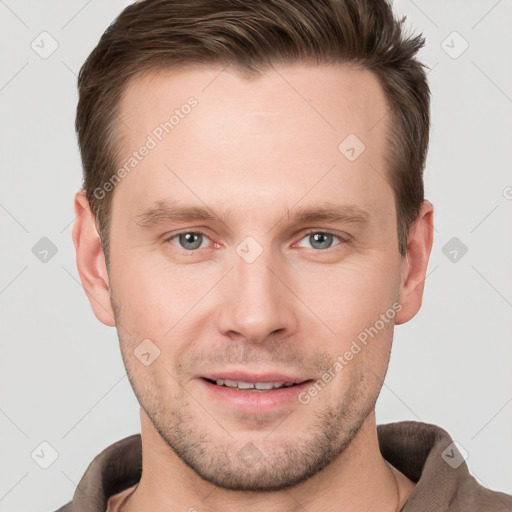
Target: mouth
{"x": 254, "y": 394}
{"x": 253, "y": 386}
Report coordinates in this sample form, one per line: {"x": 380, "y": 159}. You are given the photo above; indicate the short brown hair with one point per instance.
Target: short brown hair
{"x": 251, "y": 36}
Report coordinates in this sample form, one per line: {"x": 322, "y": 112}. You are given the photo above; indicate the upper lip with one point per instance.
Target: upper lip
{"x": 241, "y": 376}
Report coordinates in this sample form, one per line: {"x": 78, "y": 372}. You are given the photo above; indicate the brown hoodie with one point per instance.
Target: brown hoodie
{"x": 424, "y": 453}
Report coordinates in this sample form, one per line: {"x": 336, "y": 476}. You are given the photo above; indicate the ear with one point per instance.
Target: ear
{"x": 415, "y": 262}
{"x": 90, "y": 261}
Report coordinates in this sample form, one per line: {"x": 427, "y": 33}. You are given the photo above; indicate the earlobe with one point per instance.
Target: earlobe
{"x": 90, "y": 261}
{"x": 414, "y": 265}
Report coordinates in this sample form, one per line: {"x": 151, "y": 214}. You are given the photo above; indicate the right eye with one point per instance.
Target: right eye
{"x": 188, "y": 240}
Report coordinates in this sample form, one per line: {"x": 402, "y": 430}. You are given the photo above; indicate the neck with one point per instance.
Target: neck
{"x": 360, "y": 479}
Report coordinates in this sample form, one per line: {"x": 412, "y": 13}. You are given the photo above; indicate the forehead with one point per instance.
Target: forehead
{"x": 331, "y": 99}
{"x": 284, "y": 130}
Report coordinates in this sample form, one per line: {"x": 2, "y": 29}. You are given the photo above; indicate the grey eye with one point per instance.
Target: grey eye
{"x": 190, "y": 241}
{"x": 320, "y": 240}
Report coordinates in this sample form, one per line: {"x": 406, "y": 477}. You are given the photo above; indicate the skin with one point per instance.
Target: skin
{"x": 255, "y": 151}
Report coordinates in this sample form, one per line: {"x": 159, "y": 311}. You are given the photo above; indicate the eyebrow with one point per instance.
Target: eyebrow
{"x": 164, "y": 211}
{"x": 350, "y": 214}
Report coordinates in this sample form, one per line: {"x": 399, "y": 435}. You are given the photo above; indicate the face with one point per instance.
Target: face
{"x": 247, "y": 245}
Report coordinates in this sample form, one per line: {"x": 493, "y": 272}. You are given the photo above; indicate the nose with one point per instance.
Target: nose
{"x": 256, "y": 301}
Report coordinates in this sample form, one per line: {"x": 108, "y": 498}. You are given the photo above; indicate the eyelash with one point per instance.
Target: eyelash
{"x": 342, "y": 240}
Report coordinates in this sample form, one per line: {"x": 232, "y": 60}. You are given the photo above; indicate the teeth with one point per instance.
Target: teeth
{"x": 263, "y": 385}
{"x": 245, "y": 385}
{"x": 251, "y": 385}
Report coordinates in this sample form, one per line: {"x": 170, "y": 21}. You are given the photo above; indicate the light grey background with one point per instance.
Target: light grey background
{"x": 62, "y": 380}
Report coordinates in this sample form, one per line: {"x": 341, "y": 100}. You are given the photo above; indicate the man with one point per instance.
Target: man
{"x": 253, "y": 224}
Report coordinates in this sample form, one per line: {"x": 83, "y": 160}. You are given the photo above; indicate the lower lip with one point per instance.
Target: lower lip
{"x": 255, "y": 401}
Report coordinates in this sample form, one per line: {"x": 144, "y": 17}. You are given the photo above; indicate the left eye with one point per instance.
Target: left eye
{"x": 189, "y": 241}
{"x": 320, "y": 239}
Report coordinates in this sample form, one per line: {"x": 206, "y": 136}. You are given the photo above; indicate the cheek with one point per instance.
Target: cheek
{"x": 153, "y": 296}
{"x": 350, "y": 297}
